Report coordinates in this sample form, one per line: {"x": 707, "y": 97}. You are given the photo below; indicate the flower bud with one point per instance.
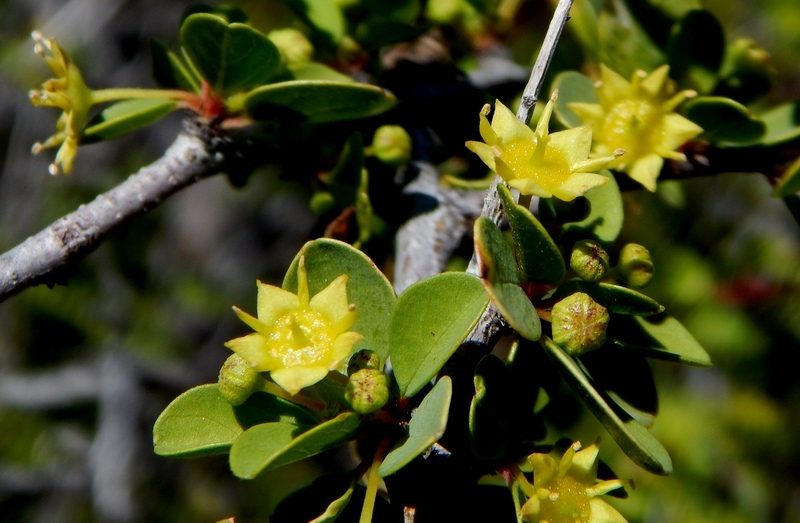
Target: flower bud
{"x": 391, "y": 144}
{"x": 579, "y": 324}
{"x": 636, "y": 265}
{"x": 238, "y": 380}
{"x": 363, "y": 359}
{"x": 589, "y": 260}
{"x": 321, "y": 202}
{"x": 367, "y": 391}
{"x": 293, "y": 45}
{"x": 443, "y": 11}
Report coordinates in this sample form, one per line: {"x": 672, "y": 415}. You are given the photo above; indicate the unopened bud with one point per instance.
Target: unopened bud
{"x": 293, "y": 45}
{"x": 321, "y": 202}
{"x": 636, "y": 265}
{"x": 579, "y": 324}
{"x": 238, "y": 380}
{"x": 391, "y": 144}
{"x": 367, "y": 390}
{"x": 363, "y": 359}
{"x": 589, "y": 260}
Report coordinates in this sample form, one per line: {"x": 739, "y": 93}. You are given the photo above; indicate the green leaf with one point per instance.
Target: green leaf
{"x": 604, "y": 222}
{"x": 200, "y": 421}
{"x": 723, "y": 119}
{"x": 126, "y": 117}
{"x": 317, "y": 71}
{"x": 783, "y": 124}
{"x": 319, "y": 101}
{"x": 789, "y": 182}
{"x": 623, "y": 45}
{"x": 231, "y": 57}
{"x": 615, "y": 298}
{"x": 495, "y": 254}
{"x": 169, "y": 70}
{"x": 639, "y": 445}
{"x": 660, "y": 336}
{"x": 515, "y": 306}
{"x": 572, "y": 87}
{"x": 367, "y": 287}
{"x": 427, "y": 425}
{"x": 429, "y": 322}
{"x": 231, "y": 14}
{"x": 537, "y": 254}
{"x": 696, "y": 49}
{"x": 271, "y": 445}
{"x": 324, "y": 17}
{"x": 492, "y": 412}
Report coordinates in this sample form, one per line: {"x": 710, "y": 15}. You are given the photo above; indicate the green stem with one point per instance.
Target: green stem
{"x": 274, "y": 389}
{"x": 128, "y": 93}
{"x": 372, "y": 482}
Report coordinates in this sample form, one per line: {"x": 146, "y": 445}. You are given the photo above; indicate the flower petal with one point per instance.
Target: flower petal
{"x": 293, "y": 379}
{"x": 274, "y": 302}
{"x": 587, "y": 112}
{"x": 332, "y": 303}
{"x": 614, "y": 87}
{"x": 579, "y": 184}
{"x": 677, "y": 130}
{"x": 342, "y": 347}
{"x": 254, "y": 323}
{"x": 507, "y": 127}
{"x": 484, "y": 151}
{"x": 646, "y": 170}
{"x": 573, "y": 144}
{"x": 602, "y": 512}
{"x": 487, "y": 133}
{"x": 655, "y": 81}
{"x": 253, "y": 348}
{"x": 584, "y": 464}
{"x": 528, "y": 186}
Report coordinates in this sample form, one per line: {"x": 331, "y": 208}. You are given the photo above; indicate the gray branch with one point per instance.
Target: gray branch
{"x": 190, "y": 158}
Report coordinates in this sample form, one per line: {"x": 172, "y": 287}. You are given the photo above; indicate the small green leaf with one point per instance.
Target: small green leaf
{"x": 639, "y": 445}
{"x": 492, "y": 412}
{"x": 319, "y": 101}
{"x": 624, "y": 45}
{"x": 496, "y": 256}
{"x": 230, "y": 13}
{"x": 271, "y": 445}
{"x": 200, "y": 421}
{"x": 696, "y": 49}
{"x": 537, "y": 254}
{"x": 515, "y": 306}
{"x": 427, "y": 425}
{"x": 126, "y": 117}
{"x": 783, "y": 124}
{"x": 660, "y": 336}
{"x": 429, "y": 322}
{"x": 231, "y": 57}
{"x": 723, "y": 119}
{"x": 604, "y": 222}
{"x": 789, "y": 182}
{"x": 317, "y": 71}
{"x": 324, "y": 17}
{"x": 169, "y": 71}
{"x": 572, "y": 87}
{"x": 367, "y": 287}
{"x": 615, "y": 298}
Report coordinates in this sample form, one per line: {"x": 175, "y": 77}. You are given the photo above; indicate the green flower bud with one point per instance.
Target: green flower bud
{"x": 238, "y": 379}
{"x": 363, "y": 359}
{"x": 391, "y": 144}
{"x": 579, "y": 324}
{"x": 636, "y": 266}
{"x": 443, "y": 11}
{"x": 589, "y": 260}
{"x": 321, "y": 202}
{"x": 293, "y": 45}
{"x": 367, "y": 391}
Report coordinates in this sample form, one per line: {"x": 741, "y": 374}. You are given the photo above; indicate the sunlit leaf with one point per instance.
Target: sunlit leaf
{"x": 496, "y": 256}
{"x": 723, "y": 119}
{"x": 572, "y": 87}
{"x": 660, "y": 336}
{"x": 615, "y": 298}
{"x": 324, "y": 17}
{"x": 125, "y": 117}
{"x": 604, "y": 222}
{"x": 515, "y": 306}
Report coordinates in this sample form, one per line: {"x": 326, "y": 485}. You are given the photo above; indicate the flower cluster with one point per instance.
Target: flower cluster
{"x": 565, "y": 490}
{"x": 638, "y": 116}
{"x": 68, "y": 92}
{"x": 297, "y": 339}
{"x": 537, "y": 162}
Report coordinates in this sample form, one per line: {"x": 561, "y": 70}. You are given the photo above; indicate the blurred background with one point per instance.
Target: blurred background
{"x": 86, "y": 368}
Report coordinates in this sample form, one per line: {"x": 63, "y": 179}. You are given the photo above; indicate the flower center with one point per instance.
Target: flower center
{"x": 534, "y": 160}
{"x": 303, "y": 337}
{"x": 632, "y": 125}
{"x": 567, "y": 502}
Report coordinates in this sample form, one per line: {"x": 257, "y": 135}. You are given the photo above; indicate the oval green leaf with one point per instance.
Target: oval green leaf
{"x": 615, "y": 298}
{"x": 572, "y": 87}
{"x": 429, "y": 322}
{"x": 319, "y": 101}
{"x": 324, "y": 17}
{"x": 660, "y": 337}
{"x": 271, "y": 445}
{"x": 724, "y": 120}
{"x": 783, "y": 124}
{"x": 427, "y": 425}
{"x": 696, "y": 49}
{"x": 367, "y": 287}
{"x": 495, "y": 254}
{"x": 537, "y": 254}
{"x": 604, "y": 222}
{"x": 125, "y": 117}
{"x": 231, "y": 57}
{"x": 317, "y": 71}
{"x": 515, "y": 306}
{"x": 169, "y": 71}
{"x": 639, "y": 445}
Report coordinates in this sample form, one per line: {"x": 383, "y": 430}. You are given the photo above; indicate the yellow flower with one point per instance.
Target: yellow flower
{"x": 297, "y": 339}
{"x": 537, "y": 162}
{"x": 66, "y": 91}
{"x": 638, "y": 116}
{"x": 565, "y": 490}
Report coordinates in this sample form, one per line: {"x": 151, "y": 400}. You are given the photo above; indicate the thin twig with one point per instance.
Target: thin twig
{"x": 70, "y": 238}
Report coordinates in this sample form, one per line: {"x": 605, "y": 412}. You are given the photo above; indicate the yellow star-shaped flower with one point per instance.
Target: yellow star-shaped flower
{"x": 297, "y": 339}
{"x": 638, "y": 116}
{"x": 537, "y": 162}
